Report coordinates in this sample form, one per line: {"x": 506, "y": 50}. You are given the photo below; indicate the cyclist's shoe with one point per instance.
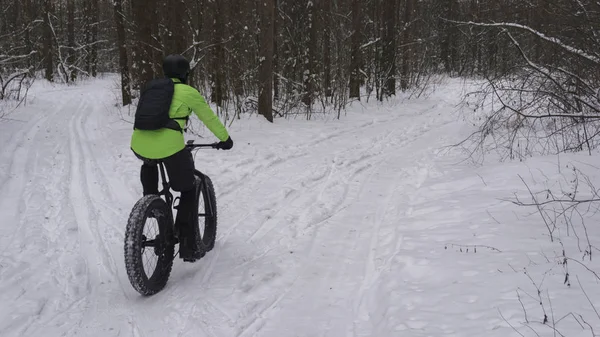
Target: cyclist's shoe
{"x": 190, "y": 249}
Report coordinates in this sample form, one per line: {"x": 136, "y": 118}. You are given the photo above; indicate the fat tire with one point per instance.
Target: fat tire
{"x": 210, "y": 207}
{"x": 146, "y": 286}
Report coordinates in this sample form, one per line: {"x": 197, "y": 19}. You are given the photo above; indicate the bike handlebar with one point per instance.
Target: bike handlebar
{"x": 190, "y": 145}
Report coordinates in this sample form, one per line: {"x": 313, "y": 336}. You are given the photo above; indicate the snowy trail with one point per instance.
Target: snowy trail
{"x": 335, "y": 229}
{"x": 327, "y": 219}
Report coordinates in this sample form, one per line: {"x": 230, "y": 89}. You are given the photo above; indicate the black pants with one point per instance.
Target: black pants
{"x": 180, "y": 170}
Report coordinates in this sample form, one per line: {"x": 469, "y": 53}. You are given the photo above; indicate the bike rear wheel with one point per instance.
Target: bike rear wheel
{"x": 207, "y": 211}
{"x": 149, "y": 241}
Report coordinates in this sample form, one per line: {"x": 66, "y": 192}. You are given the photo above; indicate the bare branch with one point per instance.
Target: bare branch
{"x": 542, "y": 36}
{"x": 588, "y": 298}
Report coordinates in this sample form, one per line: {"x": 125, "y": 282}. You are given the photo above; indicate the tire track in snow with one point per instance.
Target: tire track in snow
{"x": 352, "y": 168}
{"x": 82, "y": 191}
{"x": 47, "y": 231}
{"x": 100, "y": 264}
{"x": 261, "y": 317}
{"x": 272, "y": 163}
{"x": 326, "y": 183}
{"x": 82, "y": 205}
{"x": 364, "y": 172}
{"x": 297, "y": 152}
{"x": 289, "y": 197}
{"x": 221, "y": 240}
{"x": 13, "y": 184}
{"x": 20, "y": 149}
{"x": 314, "y": 181}
{"x": 95, "y": 183}
{"x": 98, "y": 189}
{"x": 214, "y": 258}
{"x": 370, "y": 273}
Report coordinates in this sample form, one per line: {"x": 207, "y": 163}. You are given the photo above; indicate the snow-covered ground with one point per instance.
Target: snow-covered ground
{"x": 365, "y": 226}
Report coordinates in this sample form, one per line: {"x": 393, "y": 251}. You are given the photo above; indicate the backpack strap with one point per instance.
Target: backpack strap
{"x": 173, "y": 124}
{"x": 177, "y": 127}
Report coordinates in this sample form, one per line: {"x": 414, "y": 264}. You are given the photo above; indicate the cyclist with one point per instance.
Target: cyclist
{"x": 168, "y": 145}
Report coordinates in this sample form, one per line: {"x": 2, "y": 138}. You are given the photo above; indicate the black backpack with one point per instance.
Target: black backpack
{"x": 152, "y": 112}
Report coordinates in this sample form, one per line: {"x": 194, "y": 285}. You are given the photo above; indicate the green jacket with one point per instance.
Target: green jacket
{"x": 158, "y": 144}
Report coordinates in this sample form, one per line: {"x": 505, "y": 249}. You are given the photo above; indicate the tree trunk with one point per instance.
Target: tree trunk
{"x": 123, "y": 62}
{"x": 327, "y": 48}
{"x": 88, "y": 24}
{"x": 449, "y": 50}
{"x": 474, "y": 60}
{"x": 453, "y": 40}
{"x": 47, "y": 43}
{"x": 27, "y": 18}
{"x": 407, "y": 50}
{"x": 236, "y": 56}
{"x": 144, "y": 53}
{"x": 265, "y": 72}
{"x": 94, "y": 19}
{"x": 276, "y": 54}
{"x": 218, "y": 91}
{"x": 389, "y": 47}
{"x": 71, "y": 36}
{"x": 174, "y": 18}
{"x": 310, "y": 73}
{"x": 355, "y": 51}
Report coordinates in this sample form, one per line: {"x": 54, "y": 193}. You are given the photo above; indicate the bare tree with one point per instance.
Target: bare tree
{"x": 71, "y": 35}
{"x": 546, "y": 105}
{"x": 355, "y": 50}
{"x": 123, "y": 58}
{"x": 326, "y": 14}
{"x": 390, "y": 18}
{"x": 218, "y": 89}
{"x": 48, "y": 38}
{"x": 407, "y": 54}
{"x": 144, "y": 54}
{"x": 265, "y": 98}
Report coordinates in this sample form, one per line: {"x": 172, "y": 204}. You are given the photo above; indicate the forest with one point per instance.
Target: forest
{"x": 282, "y": 58}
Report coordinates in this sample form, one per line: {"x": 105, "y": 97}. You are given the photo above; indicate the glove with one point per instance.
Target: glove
{"x": 226, "y": 145}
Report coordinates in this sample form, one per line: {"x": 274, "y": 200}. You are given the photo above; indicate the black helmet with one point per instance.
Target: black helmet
{"x": 176, "y": 66}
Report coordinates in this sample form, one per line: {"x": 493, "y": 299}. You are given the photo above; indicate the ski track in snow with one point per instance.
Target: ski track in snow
{"x": 320, "y": 236}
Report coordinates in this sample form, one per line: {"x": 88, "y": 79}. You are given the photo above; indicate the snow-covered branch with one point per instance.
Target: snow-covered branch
{"x": 11, "y": 58}
{"x": 554, "y": 40}
{"x": 80, "y": 47}
{"x": 196, "y": 59}
{"x": 21, "y": 31}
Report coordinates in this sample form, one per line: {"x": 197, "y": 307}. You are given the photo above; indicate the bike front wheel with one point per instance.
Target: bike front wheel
{"x": 149, "y": 245}
{"x": 207, "y": 211}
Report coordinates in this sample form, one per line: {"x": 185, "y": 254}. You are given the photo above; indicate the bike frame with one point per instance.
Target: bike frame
{"x": 190, "y": 145}
{"x": 167, "y": 187}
